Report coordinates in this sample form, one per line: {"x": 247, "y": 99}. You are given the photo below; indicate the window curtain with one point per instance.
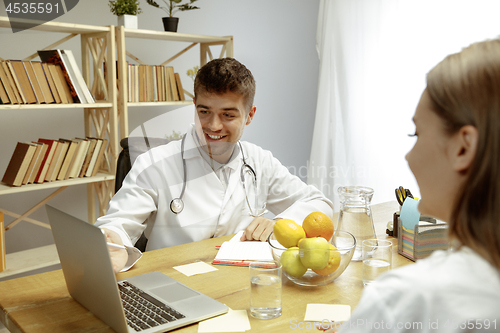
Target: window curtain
{"x": 374, "y": 55}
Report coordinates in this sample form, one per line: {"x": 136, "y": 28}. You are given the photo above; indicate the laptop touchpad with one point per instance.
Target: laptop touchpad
{"x": 174, "y": 292}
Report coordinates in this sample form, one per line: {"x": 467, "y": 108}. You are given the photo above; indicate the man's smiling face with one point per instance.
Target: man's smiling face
{"x": 220, "y": 120}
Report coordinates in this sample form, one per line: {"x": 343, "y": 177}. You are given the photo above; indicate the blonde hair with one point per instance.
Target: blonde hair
{"x": 465, "y": 90}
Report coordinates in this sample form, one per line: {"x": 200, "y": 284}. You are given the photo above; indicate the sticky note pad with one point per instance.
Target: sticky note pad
{"x": 328, "y": 312}
{"x": 195, "y": 268}
{"x": 233, "y": 321}
{"x": 409, "y": 213}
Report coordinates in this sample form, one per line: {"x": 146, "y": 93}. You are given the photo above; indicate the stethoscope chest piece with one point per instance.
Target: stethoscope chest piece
{"x": 176, "y": 205}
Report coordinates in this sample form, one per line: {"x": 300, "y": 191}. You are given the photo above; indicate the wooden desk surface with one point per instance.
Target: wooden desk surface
{"x": 41, "y": 303}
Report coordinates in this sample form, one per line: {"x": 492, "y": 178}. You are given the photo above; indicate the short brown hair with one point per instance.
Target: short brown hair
{"x": 224, "y": 75}
{"x": 465, "y": 89}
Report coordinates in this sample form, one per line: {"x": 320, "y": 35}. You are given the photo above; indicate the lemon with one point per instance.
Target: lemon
{"x": 288, "y": 233}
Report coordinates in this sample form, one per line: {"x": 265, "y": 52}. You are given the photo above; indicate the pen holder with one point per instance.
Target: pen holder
{"x": 423, "y": 240}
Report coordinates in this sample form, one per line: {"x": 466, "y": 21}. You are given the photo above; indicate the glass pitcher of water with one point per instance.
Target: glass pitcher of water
{"x": 355, "y": 215}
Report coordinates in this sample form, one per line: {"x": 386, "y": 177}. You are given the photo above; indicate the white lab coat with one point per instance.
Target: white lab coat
{"x": 143, "y": 202}
{"x": 448, "y": 292}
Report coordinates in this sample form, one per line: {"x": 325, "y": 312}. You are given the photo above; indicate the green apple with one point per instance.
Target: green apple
{"x": 314, "y": 252}
{"x": 290, "y": 260}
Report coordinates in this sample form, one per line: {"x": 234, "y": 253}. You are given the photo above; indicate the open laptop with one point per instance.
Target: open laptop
{"x": 91, "y": 282}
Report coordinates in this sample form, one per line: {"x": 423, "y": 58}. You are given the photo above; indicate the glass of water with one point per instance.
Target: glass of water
{"x": 377, "y": 259}
{"x": 265, "y": 289}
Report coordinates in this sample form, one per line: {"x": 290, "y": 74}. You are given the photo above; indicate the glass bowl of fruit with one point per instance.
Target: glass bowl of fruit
{"x": 315, "y": 261}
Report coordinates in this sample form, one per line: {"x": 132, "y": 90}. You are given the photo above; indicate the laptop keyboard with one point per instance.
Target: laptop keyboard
{"x": 144, "y": 311}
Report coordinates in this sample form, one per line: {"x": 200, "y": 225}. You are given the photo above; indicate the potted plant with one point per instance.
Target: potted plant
{"x": 127, "y": 11}
{"x": 172, "y": 6}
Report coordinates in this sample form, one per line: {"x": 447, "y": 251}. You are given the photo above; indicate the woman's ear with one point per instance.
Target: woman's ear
{"x": 465, "y": 148}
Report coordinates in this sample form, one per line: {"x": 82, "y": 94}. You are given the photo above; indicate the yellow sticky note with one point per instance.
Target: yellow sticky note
{"x": 195, "y": 268}
{"x": 328, "y": 312}
{"x": 233, "y": 321}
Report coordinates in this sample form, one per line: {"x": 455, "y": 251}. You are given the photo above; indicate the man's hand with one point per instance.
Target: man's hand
{"x": 259, "y": 229}
{"x": 119, "y": 257}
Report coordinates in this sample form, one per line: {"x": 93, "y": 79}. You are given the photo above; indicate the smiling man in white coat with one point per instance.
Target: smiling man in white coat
{"x": 208, "y": 184}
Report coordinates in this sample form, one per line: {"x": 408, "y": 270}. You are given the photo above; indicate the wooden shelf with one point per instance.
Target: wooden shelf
{"x": 55, "y": 106}
{"x": 98, "y": 50}
{"x": 187, "y": 102}
{"x": 100, "y": 177}
{"x": 5, "y": 22}
{"x": 174, "y": 36}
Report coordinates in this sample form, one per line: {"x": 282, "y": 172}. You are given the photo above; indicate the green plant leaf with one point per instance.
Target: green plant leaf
{"x": 153, "y": 3}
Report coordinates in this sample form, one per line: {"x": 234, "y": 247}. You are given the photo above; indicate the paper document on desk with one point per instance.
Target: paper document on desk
{"x": 236, "y": 252}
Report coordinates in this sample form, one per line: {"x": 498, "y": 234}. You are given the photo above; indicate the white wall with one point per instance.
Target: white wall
{"x": 274, "y": 39}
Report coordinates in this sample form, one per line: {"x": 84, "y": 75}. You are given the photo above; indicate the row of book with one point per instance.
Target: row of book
{"x": 49, "y": 160}
{"x": 150, "y": 83}
{"x": 55, "y": 79}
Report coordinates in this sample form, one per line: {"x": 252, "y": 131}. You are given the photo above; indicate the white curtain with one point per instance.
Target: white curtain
{"x": 374, "y": 55}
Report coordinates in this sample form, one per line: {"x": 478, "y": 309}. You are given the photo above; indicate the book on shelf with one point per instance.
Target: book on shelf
{"x": 136, "y": 83}
{"x": 35, "y": 85}
{"x": 76, "y": 166}
{"x": 150, "y": 83}
{"x": 180, "y": 90}
{"x": 57, "y": 160}
{"x": 93, "y": 159}
{"x": 100, "y": 156}
{"x": 72, "y": 146}
{"x": 7, "y": 86}
{"x": 22, "y": 81}
{"x": 43, "y": 82}
{"x": 51, "y": 160}
{"x": 168, "y": 89}
{"x": 33, "y": 163}
{"x": 51, "y": 82}
{"x": 38, "y": 163}
{"x": 49, "y": 154}
{"x": 75, "y": 72}
{"x": 61, "y": 85}
{"x": 171, "y": 79}
{"x": 71, "y": 73}
{"x": 4, "y": 98}
{"x": 12, "y": 83}
{"x": 159, "y": 84}
{"x": 88, "y": 156}
{"x": 19, "y": 163}
{"x": 34, "y": 82}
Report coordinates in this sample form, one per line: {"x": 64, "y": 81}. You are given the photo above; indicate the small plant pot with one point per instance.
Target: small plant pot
{"x": 128, "y": 21}
{"x": 170, "y": 23}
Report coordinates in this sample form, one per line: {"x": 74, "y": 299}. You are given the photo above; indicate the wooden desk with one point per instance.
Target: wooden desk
{"x": 41, "y": 303}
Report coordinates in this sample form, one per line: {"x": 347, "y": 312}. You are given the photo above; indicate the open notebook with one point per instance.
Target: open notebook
{"x": 237, "y": 253}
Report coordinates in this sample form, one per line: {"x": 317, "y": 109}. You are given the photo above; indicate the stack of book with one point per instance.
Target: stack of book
{"x": 49, "y": 160}
{"x": 55, "y": 79}
{"x": 154, "y": 84}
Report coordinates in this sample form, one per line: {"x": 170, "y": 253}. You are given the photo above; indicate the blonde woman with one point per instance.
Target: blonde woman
{"x": 456, "y": 162}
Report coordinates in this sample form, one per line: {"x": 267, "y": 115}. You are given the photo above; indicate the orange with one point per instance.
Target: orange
{"x": 333, "y": 263}
{"x": 318, "y": 224}
{"x": 288, "y": 233}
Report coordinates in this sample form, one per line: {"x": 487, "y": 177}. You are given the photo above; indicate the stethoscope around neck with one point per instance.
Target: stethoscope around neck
{"x": 177, "y": 204}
